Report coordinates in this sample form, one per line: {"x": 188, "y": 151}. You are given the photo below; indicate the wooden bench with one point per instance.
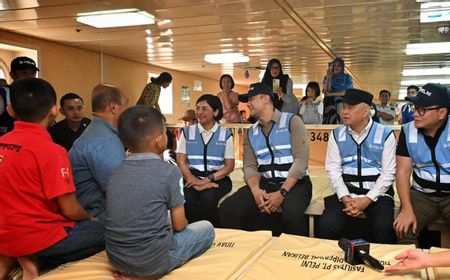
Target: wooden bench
{"x": 317, "y": 206}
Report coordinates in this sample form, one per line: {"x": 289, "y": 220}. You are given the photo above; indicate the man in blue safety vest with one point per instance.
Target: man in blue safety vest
{"x": 424, "y": 150}
{"x": 361, "y": 169}
{"x": 276, "y": 154}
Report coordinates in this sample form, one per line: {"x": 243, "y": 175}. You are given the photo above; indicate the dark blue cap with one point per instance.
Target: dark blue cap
{"x": 255, "y": 89}
{"x": 431, "y": 95}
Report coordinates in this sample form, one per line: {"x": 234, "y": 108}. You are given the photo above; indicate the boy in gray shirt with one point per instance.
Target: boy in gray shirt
{"x": 142, "y": 240}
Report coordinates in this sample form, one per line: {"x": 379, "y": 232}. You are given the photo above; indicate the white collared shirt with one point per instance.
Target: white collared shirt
{"x": 388, "y": 165}
{"x": 206, "y": 135}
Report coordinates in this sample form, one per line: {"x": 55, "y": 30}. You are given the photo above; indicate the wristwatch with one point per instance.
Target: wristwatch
{"x": 283, "y": 191}
{"x": 211, "y": 177}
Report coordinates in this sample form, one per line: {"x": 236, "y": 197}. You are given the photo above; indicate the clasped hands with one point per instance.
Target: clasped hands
{"x": 199, "y": 184}
{"x": 355, "y": 206}
{"x": 267, "y": 202}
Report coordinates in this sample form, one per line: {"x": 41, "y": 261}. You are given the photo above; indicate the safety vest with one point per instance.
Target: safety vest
{"x": 431, "y": 168}
{"x": 206, "y": 157}
{"x": 273, "y": 152}
{"x": 361, "y": 163}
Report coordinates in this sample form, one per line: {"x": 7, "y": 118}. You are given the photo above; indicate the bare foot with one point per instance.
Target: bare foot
{"x": 29, "y": 266}
{"x": 6, "y": 265}
{"x": 120, "y": 276}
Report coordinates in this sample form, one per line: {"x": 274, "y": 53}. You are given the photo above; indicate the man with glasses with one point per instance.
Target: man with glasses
{"x": 424, "y": 150}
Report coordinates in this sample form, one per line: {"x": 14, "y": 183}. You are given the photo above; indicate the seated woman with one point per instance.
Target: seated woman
{"x": 285, "y": 100}
{"x": 311, "y": 109}
{"x": 205, "y": 156}
{"x": 334, "y": 85}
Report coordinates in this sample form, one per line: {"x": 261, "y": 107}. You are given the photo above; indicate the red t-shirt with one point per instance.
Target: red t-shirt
{"x": 33, "y": 172}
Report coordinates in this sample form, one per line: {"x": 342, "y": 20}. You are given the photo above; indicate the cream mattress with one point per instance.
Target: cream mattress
{"x": 294, "y": 257}
{"x": 231, "y": 252}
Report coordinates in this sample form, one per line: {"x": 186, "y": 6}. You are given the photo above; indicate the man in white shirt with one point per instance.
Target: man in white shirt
{"x": 361, "y": 168}
{"x": 385, "y": 111}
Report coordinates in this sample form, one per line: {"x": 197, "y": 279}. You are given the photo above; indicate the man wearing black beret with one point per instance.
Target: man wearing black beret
{"x": 361, "y": 169}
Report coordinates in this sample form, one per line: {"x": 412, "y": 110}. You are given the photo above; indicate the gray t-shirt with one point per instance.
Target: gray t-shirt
{"x": 140, "y": 192}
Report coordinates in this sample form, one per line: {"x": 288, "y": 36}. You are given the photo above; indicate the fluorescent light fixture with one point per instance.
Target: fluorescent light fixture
{"x": 116, "y": 18}
{"x": 434, "y": 12}
{"x": 427, "y": 48}
{"x": 168, "y": 32}
{"x": 424, "y": 81}
{"x": 426, "y": 72}
{"x": 226, "y": 58}
{"x": 164, "y": 22}
{"x": 300, "y": 86}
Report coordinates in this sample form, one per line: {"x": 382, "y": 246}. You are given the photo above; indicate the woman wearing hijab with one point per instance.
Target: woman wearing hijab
{"x": 282, "y": 86}
{"x": 150, "y": 94}
{"x": 334, "y": 85}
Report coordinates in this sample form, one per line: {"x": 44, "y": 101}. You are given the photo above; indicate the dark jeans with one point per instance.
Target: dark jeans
{"x": 202, "y": 205}
{"x": 240, "y": 211}
{"x": 85, "y": 239}
{"x": 380, "y": 215}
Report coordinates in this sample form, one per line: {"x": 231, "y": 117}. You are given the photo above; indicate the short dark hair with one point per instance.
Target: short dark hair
{"x": 69, "y": 96}
{"x": 32, "y": 99}
{"x": 385, "y": 90}
{"x": 315, "y": 86}
{"x": 162, "y": 78}
{"x": 137, "y": 123}
{"x": 226, "y": 76}
{"x": 215, "y": 104}
{"x": 413, "y": 87}
{"x": 103, "y": 99}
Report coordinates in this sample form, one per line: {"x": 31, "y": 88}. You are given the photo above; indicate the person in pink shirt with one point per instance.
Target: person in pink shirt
{"x": 229, "y": 99}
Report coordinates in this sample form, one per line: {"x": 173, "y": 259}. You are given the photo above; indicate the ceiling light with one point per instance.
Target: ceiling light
{"x": 434, "y": 11}
{"x": 426, "y": 72}
{"x": 427, "y": 48}
{"x": 116, "y": 18}
{"x": 164, "y": 22}
{"x": 168, "y": 32}
{"x": 424, "y": 81}
{"x": 226, "y": 58}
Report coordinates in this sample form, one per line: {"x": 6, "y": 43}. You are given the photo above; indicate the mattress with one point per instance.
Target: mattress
{"x": 232, "y": 251}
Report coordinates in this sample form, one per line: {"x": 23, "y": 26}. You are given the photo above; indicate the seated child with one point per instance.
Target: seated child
{"x": 40, "y": 217}
{"x": 142, "y": 241}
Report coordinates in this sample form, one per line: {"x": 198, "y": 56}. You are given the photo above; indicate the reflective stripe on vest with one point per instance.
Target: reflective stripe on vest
{"x": 206, "y": 157}
{"x": 274, "y": 152}
{"x": 361, "y": 164}
{"x": 429, "y": 176}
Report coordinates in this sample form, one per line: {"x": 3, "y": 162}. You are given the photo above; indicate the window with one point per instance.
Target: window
{"x": 165, "y": 98}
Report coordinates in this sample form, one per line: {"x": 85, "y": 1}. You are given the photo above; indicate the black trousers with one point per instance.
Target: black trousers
{"x": 239, "y": 211}
{"x": 380, "y": 214}
{"x": 202, "y": 205}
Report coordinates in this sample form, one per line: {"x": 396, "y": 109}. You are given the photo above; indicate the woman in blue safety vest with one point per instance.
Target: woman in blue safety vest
{"x": 205, "y": 156}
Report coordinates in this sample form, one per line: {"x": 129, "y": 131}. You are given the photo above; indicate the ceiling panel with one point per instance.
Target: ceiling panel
{"x": 304, "y": 34}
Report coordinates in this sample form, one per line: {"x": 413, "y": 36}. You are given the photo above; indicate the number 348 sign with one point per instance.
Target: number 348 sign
{"x": 318, "y": 136}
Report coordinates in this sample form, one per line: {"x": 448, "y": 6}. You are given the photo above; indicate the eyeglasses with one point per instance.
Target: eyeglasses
{"x": 422, "y": 111}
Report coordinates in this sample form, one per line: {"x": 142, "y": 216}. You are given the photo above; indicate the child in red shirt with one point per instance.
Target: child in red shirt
{"x": 41, "y": 220}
